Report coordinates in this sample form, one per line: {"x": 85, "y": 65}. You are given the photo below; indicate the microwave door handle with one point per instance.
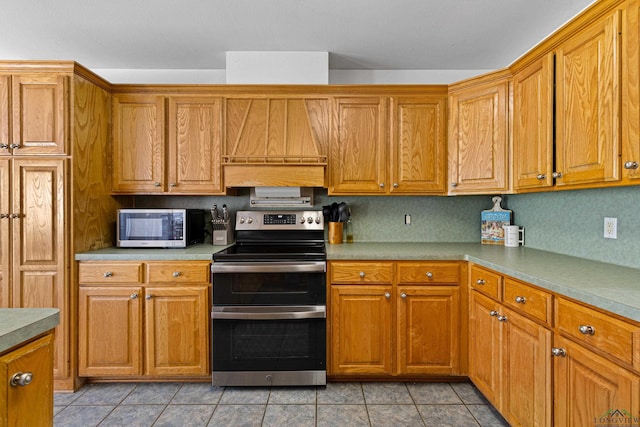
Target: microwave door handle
{"x": 269, "y": 313}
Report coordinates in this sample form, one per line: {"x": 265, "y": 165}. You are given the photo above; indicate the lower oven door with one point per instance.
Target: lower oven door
{"x": 265, "y": 345}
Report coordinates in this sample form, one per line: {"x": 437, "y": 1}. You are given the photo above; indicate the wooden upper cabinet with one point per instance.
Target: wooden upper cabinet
{"x": 588, "y": 104}
{"x": 359, "y": 146}
{"x": 194, "y": 145}
{"x": 631, "y": 96}
{"x": 34, "y": 121}
{"x": 478, "y": 138}
{"x": 418, "y": 145}
{"x": 276, "y": 141}
{"x": 138, "y": 144}
{"x": 533, "y": 125}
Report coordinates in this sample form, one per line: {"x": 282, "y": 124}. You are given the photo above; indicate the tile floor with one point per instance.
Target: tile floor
{"x": 338, "y": 404}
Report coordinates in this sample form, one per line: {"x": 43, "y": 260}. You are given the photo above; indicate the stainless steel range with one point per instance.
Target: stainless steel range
{"x": 269, "y": 302}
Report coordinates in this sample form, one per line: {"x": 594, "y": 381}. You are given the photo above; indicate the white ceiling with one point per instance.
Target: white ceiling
{"x": 358, "y": 34}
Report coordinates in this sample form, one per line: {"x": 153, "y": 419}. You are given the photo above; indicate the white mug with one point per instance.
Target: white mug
{"x": 513, "y": 235}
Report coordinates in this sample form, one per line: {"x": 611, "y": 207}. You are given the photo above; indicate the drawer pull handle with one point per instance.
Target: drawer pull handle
{"x": 587, "y": 330}
{"x": 133, "y": 296}
{"x": 108, "y": 274}
{"x": 480, "y": 281}
{"x": 558, "y": 352}
{"x": 21, "y": 379}
{"x": 521, "y": 300}
{"x": 387, "y": 295}
{"x": 502, "y": 318}
{"x": 429, "y": 274}
{"x": 177, "y": 274}
{"x": 403, "y": 295}
{"x": 493, "y": 313}
{"x": 362, "y": 274}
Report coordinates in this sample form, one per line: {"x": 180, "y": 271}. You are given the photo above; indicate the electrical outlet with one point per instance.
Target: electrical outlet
{"x": 610, "y": 228}
{"x": 407, "y": 219}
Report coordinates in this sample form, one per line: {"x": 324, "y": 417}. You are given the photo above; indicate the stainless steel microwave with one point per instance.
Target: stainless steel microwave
{"x": 160, "y": 228}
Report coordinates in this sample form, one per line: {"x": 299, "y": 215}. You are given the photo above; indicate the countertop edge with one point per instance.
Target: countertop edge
{"x": 28, "y": 323}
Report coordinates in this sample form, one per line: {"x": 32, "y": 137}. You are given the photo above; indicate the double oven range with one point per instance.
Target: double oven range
{"x": 269, "y": 301}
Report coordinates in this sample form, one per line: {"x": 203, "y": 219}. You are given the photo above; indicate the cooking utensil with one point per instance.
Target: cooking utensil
{"x": 343, "y": 212}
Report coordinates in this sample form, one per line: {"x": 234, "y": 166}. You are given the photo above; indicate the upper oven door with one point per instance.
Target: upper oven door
{"x": 269, "y": 283}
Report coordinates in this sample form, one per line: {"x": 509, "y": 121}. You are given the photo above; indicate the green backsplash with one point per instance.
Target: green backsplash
{"x": 566, "y": 222}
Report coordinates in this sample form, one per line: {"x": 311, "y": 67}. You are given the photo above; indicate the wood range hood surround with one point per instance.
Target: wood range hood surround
{"x": 276, "y": 141}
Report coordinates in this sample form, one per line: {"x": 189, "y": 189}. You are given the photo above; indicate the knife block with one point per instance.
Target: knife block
{"x": 335, "y": 233}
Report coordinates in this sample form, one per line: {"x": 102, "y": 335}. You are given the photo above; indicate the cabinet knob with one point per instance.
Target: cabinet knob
{"x": 177, "y": 274}
{"x": 429, "y": 274}
{"x": 558, "y": 352}
{"x": 395, "y": 185}
{"x": 454, "y": 184}
{"x": 21, "y": 379}
{"x": 403, "y": 295}
{"x": 480, "y": 281}
{"x": 541, "y": 176}
{"x": 148, "y": 296}
{"x": 157, "y": 184}
{"x": 4, "y": 216}
{"x": 14, "y": 145}
{"x": 587, "y": 330}
{"x": 3, "y": 146}
{"x": 382, "y": 185}
{"x": 387, "y": 295}
{"x": 15, "y": 216}
{"x": 133, "y": 296}
{"x": 557, "y": 175}
{"x": 521, "y": 300}
{"x": 631, "y": 165}
{"x": 502, "y": 318}
{"x": 493, "y": 313}
{"x": 362, "y": 274}
{"x": 172, "y": 184}
{"x": 107, "y": 274}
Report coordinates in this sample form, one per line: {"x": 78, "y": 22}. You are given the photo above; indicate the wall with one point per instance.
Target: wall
{"x": 572, "y": 222}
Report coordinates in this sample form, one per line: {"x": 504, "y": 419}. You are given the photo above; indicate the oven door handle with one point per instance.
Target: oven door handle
{"x": 269, "y": 267}
{"x": 269, "y": 313}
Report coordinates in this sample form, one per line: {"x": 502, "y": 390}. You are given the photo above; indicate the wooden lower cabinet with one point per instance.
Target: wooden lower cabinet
{"x": 131, "y": 326}
{"x": 591, "y": 390}
{"x": 30, "y": 404}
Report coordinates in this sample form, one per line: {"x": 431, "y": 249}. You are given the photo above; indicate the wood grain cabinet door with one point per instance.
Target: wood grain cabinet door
{"x": 39, "y": 114}
{"x": 419, "y": 145}
{"x": 588, "y": 105}
{"x": 5, "y": 114}
{"x": 195, "y": 131}
{"x": 110, "y": 330}
{"x": 5, "y": 236}
{"x": 138, "y": 144}
{"x": 533, "y": 125}
{"x": 359, "y": 146}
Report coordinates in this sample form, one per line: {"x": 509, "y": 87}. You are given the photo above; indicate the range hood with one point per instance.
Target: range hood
{"x": 281, "y": 197}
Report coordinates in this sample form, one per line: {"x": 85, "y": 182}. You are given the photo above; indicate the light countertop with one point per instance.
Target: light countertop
{"x": 607, "y": 286}
{"x": 18, "y": 325}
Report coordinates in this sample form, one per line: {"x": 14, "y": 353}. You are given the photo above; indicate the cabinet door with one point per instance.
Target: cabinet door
{"x": 5, "y": 114}
{"x": 138, "y": 144}
{"x": 588, "y": 105}
{"x": 485, "y": 347}
{"x": 527, "y": 382}
{"x": 533, "y": 125}
{"x": 39, "y": 251}
{"x": 194, "y": 145}
{"x": 631, "y": 95}
{"x": 478, "y": 141}
{"x": 589, "y": 389}
{"x": 177, "y": 330}
{"x": 361, "y": 325}
{"x": 5, "y": 237}
{"x": 428, "y": 330}
{"x": 32, "y": 404}
{"x": 358, "y": 148}
{"x": 39, "y": 114}
{"x": 419, "y": 145}
{"x": 109, "y": 330}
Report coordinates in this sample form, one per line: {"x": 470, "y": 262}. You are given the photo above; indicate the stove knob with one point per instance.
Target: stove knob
{"x": 302, "y": 220}
{"x": 310, "y": 220}
{"x": 250, "y": 220}
{"x": 241, "y": 220}
{"x": 318, "y": 219}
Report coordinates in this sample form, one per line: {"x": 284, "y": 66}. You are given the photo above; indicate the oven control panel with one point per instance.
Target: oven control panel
{"x": 273, "y": 220}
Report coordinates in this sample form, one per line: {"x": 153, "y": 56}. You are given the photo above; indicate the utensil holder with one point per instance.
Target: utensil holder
{"x": 335, "y": 233}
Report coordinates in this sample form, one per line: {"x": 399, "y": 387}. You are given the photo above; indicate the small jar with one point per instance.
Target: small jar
{"x": 349, "y": 231}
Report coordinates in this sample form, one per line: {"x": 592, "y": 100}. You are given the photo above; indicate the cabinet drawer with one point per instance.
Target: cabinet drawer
{"x": 361, "y": 272}
{"x": 179, "y": 272}
{"x": 428, "y": 273}
{"x": 527, "y": 300}
{"x": 599, "y": 331}
{"x": 486, "y": 281}
{"x": 110, "y": 272}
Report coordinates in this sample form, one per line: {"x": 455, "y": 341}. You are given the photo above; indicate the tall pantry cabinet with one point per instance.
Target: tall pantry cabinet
{"x": 54, "y": 163}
